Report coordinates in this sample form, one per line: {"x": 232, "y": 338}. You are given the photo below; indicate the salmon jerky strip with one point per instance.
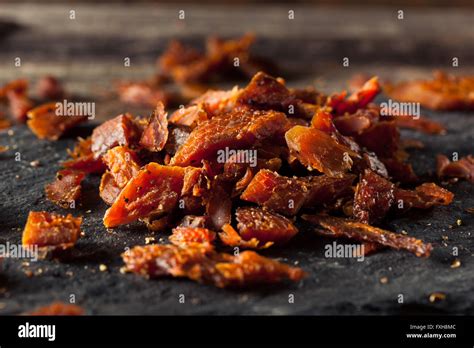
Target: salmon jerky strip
{"x": 189, "y": 236}
{"x": 340, "y": 227}
{"x": 209, "y": 267}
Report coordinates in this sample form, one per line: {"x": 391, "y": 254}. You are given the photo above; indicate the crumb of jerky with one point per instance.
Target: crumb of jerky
{"x": 102, "y": 267}
{"x": 384, "y": 280}
{"x": 456, "y": 263}
{"x": 437, "y": 296}
{"x": 35, "y": 163}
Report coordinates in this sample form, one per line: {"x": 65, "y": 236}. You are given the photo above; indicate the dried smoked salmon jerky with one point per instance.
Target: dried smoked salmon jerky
{"x": 382, "y": 138}
{"x": 424, "y": 196}
{"x": 204, "y": 266}
{"x": 142, "y": 94}
{"x": 264, "y": 226}
{"x": 58, "y": 309}
{"x": 155, "y": 134}
{"x": 154, "y": 189}
{"x": 189, "y": 116}
{"x": 443, "y": 92}
{"x": 119, "y": 131}
{"x": 46, "y": 123}
{"x": 317, "y": 150}
{"x": 51, "y": 230}
{"x": 340, "y": 227}
{"x": 108, "y": 189}
{"x": 357, "y": 100}
{"x": 462, "y": 168}
{"x": 219, "y": 204}
{"x": 65, "y": 191}
{"x": 123, "y": 164}
{"x": 189, "y": 236}
{"x": 373, "y": 198}
{"x": 230, "y": 237}
{"x": 238, "y": 129}
{"x": 83, "y": 159}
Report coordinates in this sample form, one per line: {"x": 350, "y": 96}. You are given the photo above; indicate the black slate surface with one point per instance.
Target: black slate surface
{"x": 334, "y": 286}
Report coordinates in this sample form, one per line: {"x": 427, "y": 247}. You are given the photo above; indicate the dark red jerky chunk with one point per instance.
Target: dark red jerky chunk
{"x": 142, "y": 94}
{"x": 49, "y": 87}
{"x": 19, "y": 105}
{"x": 83, "y": 158}
{"x": 189, "y": 236}
{"x": 424, "y": 196}
{"x": 123, "y": 164}
{"x": 109, "y": 189}
{"x": 264, "y": 226}
{"x": 119, "y": 131}
{"x": 400, "y": 171}
{"x": 155, "y": 189}
{"x": 317, "y": 150}
{"x": 177, "y": 136}
{"x": 340, "y": 227}
{"x": 382, "y": 138}
{"x": 462, "y": 168}
{"x": 219, "y": 204}
{"x": 239, "y": 129}
{"x": 324, "y": 189}
{"x": 65, "y": 191}
{"x": 206, "y": 266}
{"x": 356, "y": 100}
{"x": 354, "y": 124}
{"x": 373, "y": 198}
{"x": 155, "y": 134}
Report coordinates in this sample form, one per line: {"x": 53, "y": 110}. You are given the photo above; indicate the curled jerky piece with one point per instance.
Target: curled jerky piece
{"x": 46, "y": 122}
{"x": 340, "y": 227}
{"x": 443, "y": 92}
{"x": 264, "y": 226}
{"x": 207, "y": 266}
{"x": 51, "y": 230}
{"x": 155, "y": 189}
{"x": 122, "y": 163}
{"x": 58, "y": 308}
{"x": 424, "y": 196}
{"x": 155, "y": 135}
{"x": 373, "y": 198}
{"x": 121, "y": 130}
{"x": 317, "y": 150}
{"x": 357, "y": 100}
{"x": 65, "y": 191}
{"x": 462, "y": 168}
{"x": 108, "y": 189}
{"x": 83, "y": 159}
{"x": 189, "y": 236}
{"x": 230, "y": 237}
{"x": 238, "y": 129}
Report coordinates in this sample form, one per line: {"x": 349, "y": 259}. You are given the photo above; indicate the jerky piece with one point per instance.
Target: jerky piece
{"x": 281, "y": 194}
{"x": 142, "y": 94}
{"x": 264, "y": 226}
{"x": 177, "y": 136}
{"x": 373, "y": 198}
{"x": 443, "y": 92}
{"x": 194, "y": 221}
{"x": 325, "y": 190}
{"x": 83, "y": 159}
{"x": 175, "y": 55}
{"x": 189, "y": 236}
{"x": 58, "y": 308}
{"x": 230, "y": 237}
{"x": 356, "y": 100}
{"x": 400, "y": 171}
{"x": 15, "y": 93}
{"x": 219, "y": 204}
{"x": 209, "y": 267}
{"x": 109, "y": 189}
{"x": 122, "y": 163}
{"x": 48, "y": 87}
{"x": 46, "y": 122}
{"x": 235, "y": 130}
{"x": 189, "y": 116}
{"x": 381, "y": 138}
{"x": 218, "y": 101}
{"x": 66, "y": 189}
{"x": 420, "y": 124}
{"x": 424, "y": 196}
{"x": 154, "y": 189}
{"x": 121, "y": 130}
{"x": 340, "y": 227}
{"x": 155, "y": 135}
{"x": 462, "y": 168}
{"x": 50, "y": 230}
{"x": 317, "y": 150}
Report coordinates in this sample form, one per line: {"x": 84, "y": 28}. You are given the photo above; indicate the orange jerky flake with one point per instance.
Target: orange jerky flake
{"x": 317, "y": 150}
{"x": 340, "y": 227}
{"x": 59, "y": 309}
{"x": 65, "y": 191}
{"x": 155, "y": 188}
{"x": 155, "y": 134}
{"x": 443, "y": 92}
{"x": 46, "y": 122}
{"x": 189, "y": 236}
{"x": 51, "y": 230}
{"x": 208, "y": 266}
{"x": 122, "y": 163}
{"x": 236, "y": 130}
{"x": 462, "y": 168}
